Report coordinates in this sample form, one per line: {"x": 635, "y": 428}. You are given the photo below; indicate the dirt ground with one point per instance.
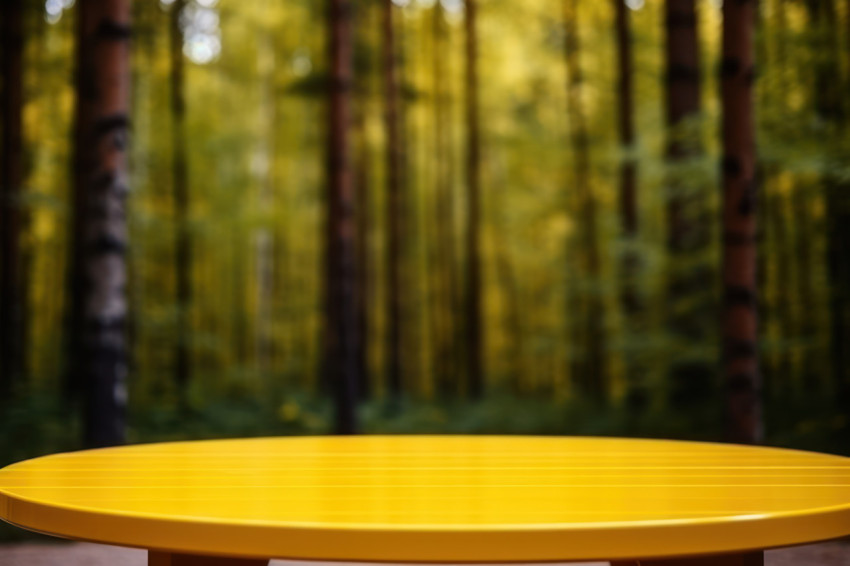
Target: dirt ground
{"x": 83, "y": 554}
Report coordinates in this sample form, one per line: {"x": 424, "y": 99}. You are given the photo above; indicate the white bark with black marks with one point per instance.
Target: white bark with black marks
{"x": 101, "y": 195}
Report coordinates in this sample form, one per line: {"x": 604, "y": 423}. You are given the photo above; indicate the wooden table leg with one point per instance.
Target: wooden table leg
{"x": 156, "y": 558}
{"x": 748, "y": 559}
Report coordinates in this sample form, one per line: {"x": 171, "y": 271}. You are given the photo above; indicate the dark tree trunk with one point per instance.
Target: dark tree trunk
{"x": 264, "y": 237}
{"x": 395, "y": 204}
{"x": 12, "y": 287}
{"x": 630, "y": 300}
{"x": 625, "y": 102}
{"x": 795, "y": 267}
{"x": 690, "y": 304}
{"x": 362, "y": 163}
{"x": 683, "y": 102}
{"x": 364, "y": 256}
{"x": 829, "y": 95}
{"x": 103, "y": 132}
{"x": 828, "y": 99}
{"x": 805, "y": 260}
{"x": 775, "y": 312}
{"x": 740, "y": 316}
{"x": 341, "y": 342}
{"x": 444, "y": 309}
{"x": 82, "y": 119}
{"x": 847, "y": 48}
{"x": 683, "y": 76}
{"x": 474, "y": 330}
{"x": 180, "y": 178}
{"x": 516, "y": 350}
{"x": 590, "y": 364}
{"x": 838, "y": 264}
{"x": 783, "y": 366}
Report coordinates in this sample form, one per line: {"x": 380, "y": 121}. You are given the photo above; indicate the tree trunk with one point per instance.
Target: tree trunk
{"x": 847, "y": 46}
{"x": 804, "y": 259}
{"x": 364, "y": 256}
{"x": 829, "y": 95}
{"x": 630, "y": 300}
{"x": 683, "y": 80}
{"x": 625, "y": 101}
{"x": 516, "y": 349}
{"x": 73, "y": 384}
{"x": 776, "y": 312}
{"x": 474, "y": 330}
{"x": 740, "y": 316}
{"x": 444, "y": 310}
{"x": 180, "y": 178}
{"x": 103, "y": 130}
{"x": 690, "y": 310}
{"x": 341, "y": 342}
{"x": 395, "y": 205}
{"x": 778, "y": 382}
{"x": 828, "y": 100}
{"x": 264, "y": 244}
{"x": 683, "y": 102}
{"x": 590, "y": 364}
{"x": 12, "y": 288}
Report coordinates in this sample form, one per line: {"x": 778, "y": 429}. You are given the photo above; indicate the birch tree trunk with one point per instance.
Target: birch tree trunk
{"x": 740, "y": 316}
{"x": 103, "y": 130}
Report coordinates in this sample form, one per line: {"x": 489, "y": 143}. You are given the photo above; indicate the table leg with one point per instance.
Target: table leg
{"x": 156, "y": 558}
{"x": 748, "y": 559}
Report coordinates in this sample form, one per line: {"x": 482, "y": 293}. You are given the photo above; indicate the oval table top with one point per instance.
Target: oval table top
{"x": 434, "y": 498}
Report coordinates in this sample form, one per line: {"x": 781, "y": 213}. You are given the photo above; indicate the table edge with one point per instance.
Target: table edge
{"x": 438, "y": 545}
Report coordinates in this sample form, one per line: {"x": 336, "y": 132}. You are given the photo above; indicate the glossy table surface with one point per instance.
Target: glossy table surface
{"x": 434, "y": 498}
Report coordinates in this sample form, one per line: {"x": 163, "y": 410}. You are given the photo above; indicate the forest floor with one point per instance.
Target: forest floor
{"x": 84, "y": 554}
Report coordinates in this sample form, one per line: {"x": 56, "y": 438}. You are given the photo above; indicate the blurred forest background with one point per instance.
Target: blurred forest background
{"x": 424, "y": 216}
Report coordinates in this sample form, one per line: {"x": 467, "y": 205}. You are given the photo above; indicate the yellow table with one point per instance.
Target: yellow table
{"x": 435, "y": 499}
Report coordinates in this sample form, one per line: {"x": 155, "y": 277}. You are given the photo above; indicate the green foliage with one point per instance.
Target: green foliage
{"x": 37, "y": 423}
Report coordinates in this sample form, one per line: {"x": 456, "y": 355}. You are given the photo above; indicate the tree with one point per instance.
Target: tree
{"x": 590, "y": 368}
{"x": 630, "y": 300}
{"x": 12, "y": 285}
{"x": 395, "y": 203}
{"x": 103, "y": 125}
{"x": 740, "y": 317}
{"x": 180, "y": 178}
{"x": 829, "y": 96}
{"x": 341, "y": 342}
{"x": 446, "y": 331}
{"x": 364, "y": 55}
{"x": 682, "y": 97}
{"x": 264, "y": 238}
{"x": 474, "y": 330}
{"x": 364, "y": 255}
{"x": 626, "y": 128}
{"x": 689, "y": 314}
